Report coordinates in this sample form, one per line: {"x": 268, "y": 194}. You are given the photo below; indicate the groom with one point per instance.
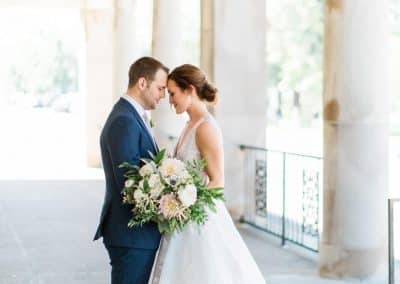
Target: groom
{"x": 126, "y": 137}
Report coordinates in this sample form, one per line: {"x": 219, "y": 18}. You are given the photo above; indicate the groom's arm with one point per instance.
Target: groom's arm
{"x": 123, "y": 146}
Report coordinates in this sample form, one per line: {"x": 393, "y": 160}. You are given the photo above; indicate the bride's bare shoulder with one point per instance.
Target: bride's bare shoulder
{"x": 207, "y": 133}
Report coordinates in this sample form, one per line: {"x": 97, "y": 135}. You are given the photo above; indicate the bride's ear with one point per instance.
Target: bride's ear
{"x": 191, "y": 89}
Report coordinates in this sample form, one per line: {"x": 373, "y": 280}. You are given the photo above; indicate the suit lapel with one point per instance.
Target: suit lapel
{"x": 140, "y": 120}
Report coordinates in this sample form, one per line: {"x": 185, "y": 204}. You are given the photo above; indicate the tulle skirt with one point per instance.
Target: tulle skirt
{"x": 211, "y": 254}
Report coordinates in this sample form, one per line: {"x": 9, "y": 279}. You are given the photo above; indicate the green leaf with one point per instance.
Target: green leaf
{"x": 126, "y": 165}
{"x": 160, "y": 156}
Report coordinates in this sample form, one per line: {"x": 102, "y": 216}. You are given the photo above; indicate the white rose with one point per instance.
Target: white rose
{"x": 188, "y": 195}
{"x": 146, "y": 170}
{"x": 154, "y": 180}
{"x": 129, "y": 183}
{"x": 155, "y": 192}
{"x": 138, "y": 195}
{"x": 155, "y": 185}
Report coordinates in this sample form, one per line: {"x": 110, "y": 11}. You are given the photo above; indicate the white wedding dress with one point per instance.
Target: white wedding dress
{"x": 211, "y": 254}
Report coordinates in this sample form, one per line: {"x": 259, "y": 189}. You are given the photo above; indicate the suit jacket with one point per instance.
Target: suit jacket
{"x": 124, "y": 138}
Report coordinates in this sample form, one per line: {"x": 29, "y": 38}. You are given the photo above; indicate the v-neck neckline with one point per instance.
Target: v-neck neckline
{"x": 185, "y": 134}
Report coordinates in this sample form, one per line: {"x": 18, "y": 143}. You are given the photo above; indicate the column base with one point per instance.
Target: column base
{"x": 361, "y": 264}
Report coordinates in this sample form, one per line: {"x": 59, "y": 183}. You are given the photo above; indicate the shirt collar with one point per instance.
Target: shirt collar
{"x": 141, "y": 111}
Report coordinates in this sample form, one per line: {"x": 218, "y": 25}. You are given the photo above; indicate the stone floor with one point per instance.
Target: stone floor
{"x": 46, "y": 230}
{"x": 289, "y": 265}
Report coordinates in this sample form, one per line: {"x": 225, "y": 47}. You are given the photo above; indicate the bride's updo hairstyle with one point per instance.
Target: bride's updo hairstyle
{"x": 187, "y": 74}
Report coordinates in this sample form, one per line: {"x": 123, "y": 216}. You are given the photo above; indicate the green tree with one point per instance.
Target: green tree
{"x": 294, "y": 55}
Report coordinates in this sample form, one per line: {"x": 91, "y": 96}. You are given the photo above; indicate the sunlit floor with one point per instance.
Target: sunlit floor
{"x": 46, "y": 230}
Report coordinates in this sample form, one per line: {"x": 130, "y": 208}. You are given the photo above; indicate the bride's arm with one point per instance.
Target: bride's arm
{"x": 209, "y": 144}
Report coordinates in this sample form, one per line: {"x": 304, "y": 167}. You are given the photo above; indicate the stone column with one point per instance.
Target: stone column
{"x": 356, "y": 107}
{"x": 98, "y": 21}
{"x": 207, "y": 40}
{"x": 168, "y": 48}
{"x": 124, "y": 43}
{"x": 113, "y": 42}
{"x": 132, "y": 38}
{"x": 240, "y": 76}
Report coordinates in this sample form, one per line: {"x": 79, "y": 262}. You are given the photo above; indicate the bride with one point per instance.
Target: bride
{"x": 214, "y": 253}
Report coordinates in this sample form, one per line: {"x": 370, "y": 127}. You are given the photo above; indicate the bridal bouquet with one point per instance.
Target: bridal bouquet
{"x": 169, "y": 192}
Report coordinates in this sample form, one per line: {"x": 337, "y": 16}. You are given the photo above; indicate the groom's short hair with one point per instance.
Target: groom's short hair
{"x": 145, "y": 67}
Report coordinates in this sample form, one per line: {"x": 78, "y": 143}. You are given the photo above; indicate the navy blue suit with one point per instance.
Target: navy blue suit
{"x": 125, "y": 138}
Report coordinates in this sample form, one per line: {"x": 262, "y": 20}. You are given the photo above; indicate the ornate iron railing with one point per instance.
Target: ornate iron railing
{"x": 394, "y": 234}
{"x": 283, "y": 195}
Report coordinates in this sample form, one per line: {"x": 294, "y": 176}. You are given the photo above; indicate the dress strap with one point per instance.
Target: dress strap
{"x": 189, "y": 136}
{"x": 200, "y": 121}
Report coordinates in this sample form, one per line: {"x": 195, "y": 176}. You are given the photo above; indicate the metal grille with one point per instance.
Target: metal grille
{"x": 283, "y": 194}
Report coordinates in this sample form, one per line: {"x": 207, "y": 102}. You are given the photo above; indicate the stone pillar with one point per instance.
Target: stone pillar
{"x": 113, "y": 42}
{"x": 98, "y": 21}
{"x": 207, "y": 40}
{"x": 132, "y": 38}
{"x": 240, "y": 76}
{"x": 168, "y": 48}
{"x": 124, "y": 43}
{"x": 356, "y": 107}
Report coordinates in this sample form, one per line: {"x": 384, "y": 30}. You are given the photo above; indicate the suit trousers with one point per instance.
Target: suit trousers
{"x": 130, "y": 265}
